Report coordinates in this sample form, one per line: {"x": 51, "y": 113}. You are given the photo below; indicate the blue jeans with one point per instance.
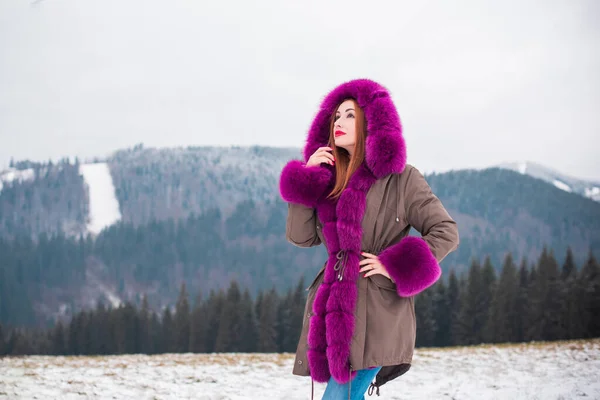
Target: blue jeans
{"x": 360, "y": 384}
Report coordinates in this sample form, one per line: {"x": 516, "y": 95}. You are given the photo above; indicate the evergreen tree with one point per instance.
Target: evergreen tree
{"x": 155, "y": 334}
{"x": 453, "y": 304}
{"x": 258, "y": 304}
{"x": 214, "y": 307}
{"x": 554, "y": 327}
{"x": 166, "y": 344}
{"x": 532, "y": 275}
{"x": 296, "y": 316}
{"x": 590, "y": 283}
{"x": 126, "y": 328}
{"x": 43, "y": 342}
{"x": 522, "y": 304}
{"x": 545, "y": 301}
{"x": 267, "y": 323}
{"x": 532, "y": 332}
{"x": 11, "y": 342}
{"x": 145, "y": 319}
{"x": 229, "y": 333}
{"x": 198, "y": 327}
{"x": 571, "y": 310}
{"x": 442, "y": 311}
{"x": 284, "y": 321}
{"x": 289, "y": 317}
{"x": 74, "y": 333}
{"x": 425, "y": 316}
{"x": 85, "y": 333}
{"x": 502, "y": 322}
{"x": 182, "y": 322}
{"x": 102, "y": 337}
{"x": 568, "y": 267}
{"x": 59, "y": 343}
{"x": 248, "y": 325}
{"x": 488, "y": 279}
{"x": 469, "y": 324}
{"x": 19, "y": 343}
{"x": 2, "y": 342}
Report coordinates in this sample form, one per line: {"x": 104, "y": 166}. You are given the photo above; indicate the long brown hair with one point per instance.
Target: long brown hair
{"x": 345, "y": 165}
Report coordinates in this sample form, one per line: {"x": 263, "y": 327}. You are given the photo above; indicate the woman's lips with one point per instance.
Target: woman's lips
{"x": 339, "y": 133}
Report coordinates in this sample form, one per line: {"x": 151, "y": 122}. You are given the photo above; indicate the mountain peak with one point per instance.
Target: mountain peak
{"x": 564, "y": 182}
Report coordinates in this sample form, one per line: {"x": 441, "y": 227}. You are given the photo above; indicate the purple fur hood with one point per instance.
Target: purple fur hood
{"x": 410, "y": 263}
{"x": 385, "y": 151}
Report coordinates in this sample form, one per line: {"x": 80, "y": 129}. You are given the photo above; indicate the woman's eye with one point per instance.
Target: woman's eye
{"x": 350, "y": 115}
{"x": 336, "y": 117}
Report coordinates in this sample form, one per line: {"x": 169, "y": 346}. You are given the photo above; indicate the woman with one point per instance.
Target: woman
{"x": 356, "y": 194}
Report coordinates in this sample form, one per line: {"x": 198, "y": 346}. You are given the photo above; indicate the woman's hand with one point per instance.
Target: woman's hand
{"x": 372, "y": 265}
{"x": 321, "y": 156}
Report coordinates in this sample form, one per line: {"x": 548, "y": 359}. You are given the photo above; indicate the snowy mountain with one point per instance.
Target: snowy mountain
{"x": 568, "y": 184}
{"x": 174, "y": 183}
{"x": 136, "y": 186}
{"x": 140, "y": 185}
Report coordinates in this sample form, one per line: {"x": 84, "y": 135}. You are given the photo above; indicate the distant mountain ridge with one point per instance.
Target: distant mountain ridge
{"x": 585, "y": 188}
{"x": 157, "y": 184}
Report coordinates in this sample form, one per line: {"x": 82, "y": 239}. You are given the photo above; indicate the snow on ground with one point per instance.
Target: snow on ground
{"x": 556, "y": 370}
{"x": 523, "y": 167}
{"x": 561, "y": 185}
{"x": 12, "y": 174}
{"x": 104, "y": 206}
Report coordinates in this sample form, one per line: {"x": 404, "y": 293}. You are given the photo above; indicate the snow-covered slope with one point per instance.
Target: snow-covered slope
{"x": 555, "y": 370}
{"x": 13, "y": 174}
{"x": 561, "y": 181}
{"x": 104, "y": 207}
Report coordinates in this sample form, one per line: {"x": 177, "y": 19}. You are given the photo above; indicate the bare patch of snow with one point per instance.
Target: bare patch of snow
{"x": 554, "y": 370}
{"x": 13, "y": 174}
{"x": 562, "y": 186}
{"x": 104, "y": 206}
{"x": 523, "y": 168}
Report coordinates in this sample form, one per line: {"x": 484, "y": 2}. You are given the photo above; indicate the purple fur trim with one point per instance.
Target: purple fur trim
{"x": 386, "y": 148}
{"x": 318, "y": 365}
{"x": 411, "y": 264}
{"x": 316, "y": 135}
{"x": 389, "y": 152}
{"x": 335, "y": 300}
{"x": 304, "y": 185}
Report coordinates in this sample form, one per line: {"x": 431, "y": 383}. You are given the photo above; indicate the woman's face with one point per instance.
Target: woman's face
{"x": 344, "y": 127}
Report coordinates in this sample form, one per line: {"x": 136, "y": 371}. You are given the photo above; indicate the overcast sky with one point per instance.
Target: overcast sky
{"x": 475, "y": 84}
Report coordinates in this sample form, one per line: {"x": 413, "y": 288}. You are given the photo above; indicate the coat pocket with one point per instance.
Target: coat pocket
{"x": 382, "y": 282}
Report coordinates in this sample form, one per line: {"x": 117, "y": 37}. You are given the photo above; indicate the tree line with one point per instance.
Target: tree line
{"x": 542, "y": 301}
{"x": 206, "y": 251}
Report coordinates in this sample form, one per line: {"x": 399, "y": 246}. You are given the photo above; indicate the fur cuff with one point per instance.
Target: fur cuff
{"x": 411, "y": 264}
{"x": 303, "y": 185}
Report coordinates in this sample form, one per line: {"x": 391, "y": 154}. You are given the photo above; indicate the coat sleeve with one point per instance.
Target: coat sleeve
{"x": 304, "y": 185}
{"x": 301, "y": 226}
{"x": 413, "y": 263}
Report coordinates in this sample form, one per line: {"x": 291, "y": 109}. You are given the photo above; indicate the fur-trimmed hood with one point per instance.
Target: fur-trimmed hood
{"x": 385, "y": 151}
